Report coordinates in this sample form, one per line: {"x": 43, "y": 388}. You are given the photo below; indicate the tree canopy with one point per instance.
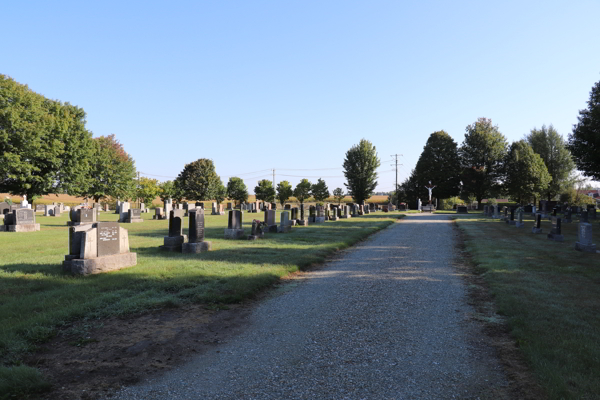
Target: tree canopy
{"x": 339, "y": 195}
{"x": 44, "y": 145}
{"x": 360, "y": 167}
{"x": 220, "y": 192}
{"x": 147, "y": 190}
{"x": 264, "y": 191}
{"x": 526, "y": 174}
{"x": 236, "y": 189}
{"x": 319, "y": 190}
{"x": 558, "y": 160}
{"x": 198, "y": 180}
{"x": 302, "y": 190}
{"x": 112, "y": 170}
{"x": 439, "y": 163}
{"x": 584, "y": 141}
{"x": 482, "y": 155}
{"x": 168, "y": 190}
{"x": 284, "y": 191}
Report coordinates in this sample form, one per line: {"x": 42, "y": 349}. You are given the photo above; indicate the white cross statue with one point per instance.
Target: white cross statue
{"x": 430, "y": 188}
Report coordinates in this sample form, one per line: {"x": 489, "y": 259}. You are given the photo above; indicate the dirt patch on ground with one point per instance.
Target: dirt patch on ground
{"x": 522, "y": 383}
{"x": 90, "y": 360}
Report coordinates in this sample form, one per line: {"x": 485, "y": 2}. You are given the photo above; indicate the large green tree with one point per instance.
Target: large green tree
{"x": 360, "y": 167}
{"x": 482, "y": 155}
{"x": 264, "y": 191}
{"x": 302, "y": 190}
{"x": 526, "y": 174}
{"x": 168, "y": 190}
{"x": 553, "y": 149}
{"x": 44, "y": 145}
{"x": 584, "y": 141}
{"x": 319, "y": 190}
{"x": 410, "y": 191}
{"x": 236, "y": 189}
{"x": 339, "y": 195}
{"x": 147, "y": 190}
{"x": 113, "y": 171}
{"x": 198, "y": 180}
{"x": 220, "y": 192}
{"x": 439, "y": 163}
{"x": 284, "y": 191}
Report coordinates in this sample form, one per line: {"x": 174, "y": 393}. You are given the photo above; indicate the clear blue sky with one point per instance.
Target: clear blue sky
{"x": 292, "y": 85}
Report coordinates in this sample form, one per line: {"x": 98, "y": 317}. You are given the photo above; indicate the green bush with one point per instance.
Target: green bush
{"x": 21, "y": 381}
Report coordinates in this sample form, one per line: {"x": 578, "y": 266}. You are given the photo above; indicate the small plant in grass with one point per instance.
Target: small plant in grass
{"x": 21, "y": 382}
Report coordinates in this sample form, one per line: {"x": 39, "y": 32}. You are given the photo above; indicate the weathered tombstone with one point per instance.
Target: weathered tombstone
{"x": 234, "y": 225}
{"x": 82, "y": 216}
{"x": 538, "y": 224}
{"x": 312, "y": 214}
{"x": 176, "y": 238}
{"x": 320, "y": 214}
{"x": 273, "y": 206}
{"x": 196, "y": 243}
{"x": 519, "y": 223}
{"x": 40, "y": 208}
{"x": 584, "y": 236}
{"x": 215, "y": 211}
{"x": 48, "y": 210}
{"x": 56, "y": 212}
{"x": 556, "y": 232}
{"x": 134, "y": 215}
{"x": 346, "y": 212}
{"x": 124, "y": 212}
{"x": 284, "y": 225}
{"x": 256, "y": 232}
{"x": 20, "y": 220}
{"x": 98, "y": 247}
{"x": 334, "y": 213}
{"x": 229, "y": 206}
{"x": 168, "y": 206}
{"x": 270, "y": 221}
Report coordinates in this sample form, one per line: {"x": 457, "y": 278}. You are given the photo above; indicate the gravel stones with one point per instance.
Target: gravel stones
{"x": 386, "y": 319}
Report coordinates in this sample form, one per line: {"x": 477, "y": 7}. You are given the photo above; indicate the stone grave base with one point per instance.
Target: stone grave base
{"x": 98, "y": 265}
{"x": 272, "y": 229}
{"x": 590, "y": 248}
{"x": 536, "y": 230}
{"x": 133, "y": 220}
{"x": 284, "y": 228}
{"x": 302, "y": 222}
{"x": 319, "y": 220}
{"x": 347, "y": 216}
{"x": 20, "y": 228}
{"x": 173, "y": 243}
{"x": 333, "y": 218}
{"x": 519, "y": 224}
{"x": 196, "y": 247}
{"x": 234, "y": 233}
{"x": 255, "y": 237}
{"x": 555, "y": 237}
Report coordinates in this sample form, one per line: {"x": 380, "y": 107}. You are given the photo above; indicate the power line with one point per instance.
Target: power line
{"x": 396, "y": 159}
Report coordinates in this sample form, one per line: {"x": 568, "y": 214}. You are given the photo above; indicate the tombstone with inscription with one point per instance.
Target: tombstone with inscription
{"x": 234, "y": 225}
{"x": 159, "y": 213}
{"x": 284, "y": 226}
{"x": 346, "y": 211}
{"x": 176, "y": 238}
{"x": 40, "y": 208}
{"x": 320, "y": 214}
{"x": 135, "y": 215}
{"x": 82, "y": 216}
{"x": 519, "y": 223}
{"x": 196, "y": 243}
{"x": 556, "y": 232}
{"x": 312, "y": 213}
{"x": 334, "y": 213}
{"x": 56, "y": 212}
{"x": 584, "y": 236}
{"x": 537, "y": 228}
{"x": 301, "y": 220}
{"x": 98, "y": 247}
{"x": 20, "y": 220}
{"x": 270, "y": 221}
{"x": 124, "y": 214}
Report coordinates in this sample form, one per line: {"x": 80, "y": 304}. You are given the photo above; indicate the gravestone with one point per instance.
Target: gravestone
{"x": 56, "y": 212}
{"x": 284, "y": 226}
{"x": 135, "y": 215}
{"x": 176, "y": 238}
{"x": 511, "y": 221}
{"x": 82, "y": 216}
{"x": 312, "y": 214}
{"x": 592, "y": 212}
{"x": 124, "y": 215}
{"x": 568, "y": 218}
{"x": 462, "y": 210}
{"x": 199, "y": 205}
{"x": 273, "y": 206}
{"x": 419, "y": 205}
{"x": 334, "y": 214}
{"x": 556, "y": 232}
{"x": 294, "y": 215}
{"x": 186, "y": 206}
{"x": 270, "y": 221}
{"x": 158, "y": 213}
{"x": 40, "y": 208}
{"x": 584, "y": 236}
{"x": 537, "y": 228}
{"x": 584, "y": 217}
{"x": 215, "y": 210}
{"x": 98, "y": 247}
{"x": 234, "y": 225}
{"x": 48, "y": 210}
{"x": 301, "y": 220}
{"x": 117, "y": 207}
{"x": 320, "y": 214}
{"x": 346, "y": 212}
{"x": 528, "y": 208}
{"x": 256, "y": 232}
{"x": 106, "y": 207}
{"x": 229, "y": 206}
{"x": 20, "y": 220}
{"x": 287, "y": 207}
{"x": 519, "y": 223}
{"x": 402, "y": 207}
{"x": 196, "y": 243}
{"x": 4, "y": 208}
{"x": 168, "y": 206}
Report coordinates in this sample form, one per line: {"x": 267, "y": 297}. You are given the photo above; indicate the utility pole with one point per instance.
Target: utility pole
{"x": 273, "y": 178}
{"x": 139, "y": 202}
{"x": 396, "y": 164}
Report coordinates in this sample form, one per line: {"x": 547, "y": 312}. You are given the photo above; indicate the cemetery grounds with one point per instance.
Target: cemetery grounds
{"x": 544, "y": 294}
{"x": 61, "y": 335}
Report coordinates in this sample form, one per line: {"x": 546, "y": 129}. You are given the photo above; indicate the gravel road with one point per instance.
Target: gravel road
{"x": 386, "y": 319}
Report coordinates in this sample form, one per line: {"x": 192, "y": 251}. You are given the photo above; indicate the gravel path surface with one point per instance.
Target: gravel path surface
{"x": 386, "y": 319}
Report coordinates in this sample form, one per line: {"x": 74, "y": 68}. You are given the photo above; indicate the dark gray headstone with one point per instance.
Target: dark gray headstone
{"x": 295, "y": 213}
{"x": 86, "y": 215}
{"x": 302, "y": 211}
{"x": 584, "y": 217}
{"x": 556, "y": 226}
{"x": 196, "y": 229}
{"x": 24, "y": 216}
{"x": 312, "y": 210}
{"x": 538, "y": 221}
{"x": 269, "y": 217}
{"x": 235, "y": 220}
{"x": 108, "y": 238}
{"x": 135, "y": 213}
{"x": 199, "y": 204}
{"x": 175, "y": 228}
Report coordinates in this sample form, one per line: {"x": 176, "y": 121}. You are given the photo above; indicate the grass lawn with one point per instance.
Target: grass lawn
{"x": 37, "y": 298}
{"x": 549, "y": 294}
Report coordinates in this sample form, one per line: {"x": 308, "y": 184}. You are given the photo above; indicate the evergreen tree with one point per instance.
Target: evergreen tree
{"x": 264, "y": 191}
{"x": 302, "y": 190}
{"x": 284, "y": 191}
{"x": 198, "y": 180}
{"x": 360, "y": 167}
{"x": 236, "y": 189}
{"x": 320, "y": 191}
{"x": 526, "y": 174}
{"x": 482, "y": 155}
{"x": 552, "y": 148}
{"x": 584, "y": 141}
{"x": 339, "y": 195}
{"x": 439, "y": 163}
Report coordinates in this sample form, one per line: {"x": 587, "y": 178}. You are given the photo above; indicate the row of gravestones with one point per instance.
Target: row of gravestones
{"x": 584, "y": 231}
